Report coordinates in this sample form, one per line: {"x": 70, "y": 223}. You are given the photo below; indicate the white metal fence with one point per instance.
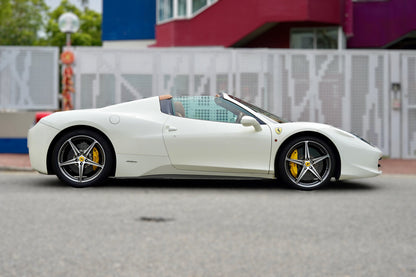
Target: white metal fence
{"x": 408, "y": 111}
{"x": 349, "y": 89}
{"x": 28, "y": 78}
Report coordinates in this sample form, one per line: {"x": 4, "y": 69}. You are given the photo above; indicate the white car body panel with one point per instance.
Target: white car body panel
{"x": 195, "y": 145}
{"x": 148, "y": 142}
{"x": 358, "y": 158}
{"x": 39, "y": 140}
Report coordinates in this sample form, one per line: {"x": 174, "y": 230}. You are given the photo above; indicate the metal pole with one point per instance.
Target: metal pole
{"x": 68, "y": 39}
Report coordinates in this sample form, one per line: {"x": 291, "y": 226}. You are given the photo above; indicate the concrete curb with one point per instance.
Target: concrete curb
{"x": 16, "y": 169}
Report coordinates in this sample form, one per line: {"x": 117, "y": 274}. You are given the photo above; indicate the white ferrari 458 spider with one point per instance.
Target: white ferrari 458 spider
{"x": 212, "y": 136}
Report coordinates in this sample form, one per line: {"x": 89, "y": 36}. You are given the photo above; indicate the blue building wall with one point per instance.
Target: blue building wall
{"x": 128, "y": 19}
{"x": 13, "y": 145}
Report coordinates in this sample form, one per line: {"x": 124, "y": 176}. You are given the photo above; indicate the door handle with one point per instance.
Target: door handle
{"x": 172, "y": 129}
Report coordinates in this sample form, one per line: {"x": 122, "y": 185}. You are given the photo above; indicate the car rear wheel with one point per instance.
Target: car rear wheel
{"x": 306, "y": 163}
{"x": 82, "y": 158}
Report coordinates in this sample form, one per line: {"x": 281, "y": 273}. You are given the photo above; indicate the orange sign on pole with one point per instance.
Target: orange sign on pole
{"x": 67, "y": 58}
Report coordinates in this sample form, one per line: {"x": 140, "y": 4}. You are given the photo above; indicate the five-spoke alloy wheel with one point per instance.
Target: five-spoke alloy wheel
{"x": 82, "y": 158}
{"x": 306, "y": 163}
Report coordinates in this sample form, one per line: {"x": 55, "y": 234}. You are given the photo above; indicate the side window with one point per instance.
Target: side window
{"x": 207, "y": 108}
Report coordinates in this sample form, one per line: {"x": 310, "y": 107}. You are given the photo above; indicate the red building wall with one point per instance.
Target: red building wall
{"x": 233, "y": 22}
{"x": 378, "y": 24}
{"x": 279, "y": 36}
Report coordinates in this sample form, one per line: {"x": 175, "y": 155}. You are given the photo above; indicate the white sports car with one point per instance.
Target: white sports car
{"x": 195, "y": 135}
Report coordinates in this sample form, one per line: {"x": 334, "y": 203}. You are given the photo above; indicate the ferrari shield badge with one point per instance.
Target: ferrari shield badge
{"x": 278, "y": 130}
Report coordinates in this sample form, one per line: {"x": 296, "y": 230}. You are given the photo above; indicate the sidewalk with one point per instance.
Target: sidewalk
{"x": 15, "y": 162}
{"x": 20, "y": 162}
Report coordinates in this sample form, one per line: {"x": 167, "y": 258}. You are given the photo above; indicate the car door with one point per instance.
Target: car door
{"x": 204, "y": 145}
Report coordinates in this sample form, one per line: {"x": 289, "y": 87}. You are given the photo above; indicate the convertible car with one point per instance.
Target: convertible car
{"x": 213, "y": 136}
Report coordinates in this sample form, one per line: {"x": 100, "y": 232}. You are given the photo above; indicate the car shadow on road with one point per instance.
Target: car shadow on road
{"x": 240, "y": 184}
{"x": 251, "y": 184}
{"x": 355, "y": 185}
{"x": 226, "y": 184}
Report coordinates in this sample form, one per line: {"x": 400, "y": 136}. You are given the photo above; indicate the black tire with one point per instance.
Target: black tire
{"x": 82, "y": 158}
{"x": 306, "y": 163}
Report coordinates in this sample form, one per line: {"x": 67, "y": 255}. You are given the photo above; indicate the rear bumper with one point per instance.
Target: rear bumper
{"x": 39, "y": 139}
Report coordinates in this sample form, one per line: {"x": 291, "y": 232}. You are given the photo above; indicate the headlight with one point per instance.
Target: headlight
{"x": 366, "y": 141}
{"x": 344, "y": 133}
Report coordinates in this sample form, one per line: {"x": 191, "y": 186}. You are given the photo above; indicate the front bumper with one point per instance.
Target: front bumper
{"x": 360, "y": 161}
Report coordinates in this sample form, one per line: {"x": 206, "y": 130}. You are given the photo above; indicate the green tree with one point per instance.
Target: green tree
{"x": 89, "y": 33}
{"x": 21, "y": 21}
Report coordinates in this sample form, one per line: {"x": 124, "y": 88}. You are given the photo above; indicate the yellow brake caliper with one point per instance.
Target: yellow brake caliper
{"x": 95, "y": 157}
{"x": 293, "y": 166}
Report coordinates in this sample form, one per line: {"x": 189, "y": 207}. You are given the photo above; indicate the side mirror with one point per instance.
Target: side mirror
{"x": 248, "y": 121}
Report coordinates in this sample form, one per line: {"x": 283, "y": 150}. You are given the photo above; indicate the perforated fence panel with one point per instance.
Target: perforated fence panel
{"x": 28, "y": 78}
{"x": 347, "y": 89}
{"x": 409, "y": 105}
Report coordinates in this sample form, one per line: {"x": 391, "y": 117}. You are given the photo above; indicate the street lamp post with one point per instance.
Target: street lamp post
{"x": 68, "y": 24}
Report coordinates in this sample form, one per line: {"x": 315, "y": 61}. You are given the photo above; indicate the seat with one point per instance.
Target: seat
{"x": 179, "y": 109}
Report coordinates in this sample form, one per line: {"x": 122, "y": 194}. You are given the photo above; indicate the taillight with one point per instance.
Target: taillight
{"x": 40, "y": 115}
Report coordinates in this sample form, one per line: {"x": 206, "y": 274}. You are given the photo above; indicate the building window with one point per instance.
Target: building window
{"x": 180, "y": 9}
{"x": 314, "y": 38}
{"x": 165, "y": 8}
{"x": 198, "y": 4}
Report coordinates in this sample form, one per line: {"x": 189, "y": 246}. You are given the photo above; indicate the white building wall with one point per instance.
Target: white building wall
{"x": 128, "y": 44}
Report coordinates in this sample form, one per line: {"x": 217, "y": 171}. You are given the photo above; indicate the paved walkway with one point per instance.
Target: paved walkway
{"x": 20, "y": 162}
{"x": 15, "y": 162}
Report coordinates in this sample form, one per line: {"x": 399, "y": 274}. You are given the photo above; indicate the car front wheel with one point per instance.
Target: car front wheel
{"x": 306, "y": 163}
{"x": 82, "y": 158}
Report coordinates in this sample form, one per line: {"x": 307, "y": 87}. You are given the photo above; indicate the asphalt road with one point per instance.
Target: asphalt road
{"x": 206, "y": 228}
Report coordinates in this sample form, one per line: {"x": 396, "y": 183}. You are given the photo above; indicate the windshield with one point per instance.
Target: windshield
{"x": 259, "y": 110}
